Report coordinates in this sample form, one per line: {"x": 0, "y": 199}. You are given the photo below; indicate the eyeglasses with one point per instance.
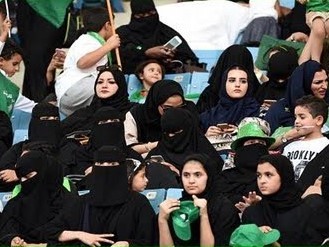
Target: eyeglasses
{"x": 106, "y": 66}
{"x": 166, "y": 107}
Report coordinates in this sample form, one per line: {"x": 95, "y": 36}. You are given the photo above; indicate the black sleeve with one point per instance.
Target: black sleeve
{"x": 9, "y": 159}
{"x": 225, "y": 223}
{"x": 145, "y": 223}
{"x": 6, "y": 133}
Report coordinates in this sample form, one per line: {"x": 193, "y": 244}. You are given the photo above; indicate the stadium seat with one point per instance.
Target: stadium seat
{"x": 199, "y": 82}
{"x": 174, "y": 193}
{"x": 4, "y": 198}
{"x": 287, "y": 3}
{"x": 133, "y": 84}
{"x": 209, "y": 57}
{"x": 254, "y": 52}
{"x": 183, "y": 78}
{"x": 155, "y": 197}
{"x": 20, "y": 135}
{"x": 20, "y": 119}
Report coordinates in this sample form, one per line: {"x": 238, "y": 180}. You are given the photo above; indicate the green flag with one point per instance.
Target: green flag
{"x": 8, "y": 94}
{"x": 53, "y": 11}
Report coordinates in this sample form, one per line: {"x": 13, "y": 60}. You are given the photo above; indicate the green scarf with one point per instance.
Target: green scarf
{"x": 9, "y": 94}
{"x": 102, "y": 41}
{"x": 53, "y": 11}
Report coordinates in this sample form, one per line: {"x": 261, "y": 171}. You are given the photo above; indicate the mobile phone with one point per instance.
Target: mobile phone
{"x": 157, "y": 158}
{"x": 269, "y": 101}
{"x": 223, "y": 125}
{"x": 173, "y": 43}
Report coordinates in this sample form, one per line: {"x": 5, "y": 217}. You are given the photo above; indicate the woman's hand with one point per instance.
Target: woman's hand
{"x": 8, "y": 176}
{"x": 95, "y": 239}
{"x": 120, "y": 244}
{"x": 213, "y": 131}
{"x": 202, "y": 204}
{"x": 252, "y": 199}
{"x": 17, "y": 241}
{"x": 168, "y": 206}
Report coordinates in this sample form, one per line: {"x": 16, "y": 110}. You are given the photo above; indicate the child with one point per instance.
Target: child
{"x": 75, "y": 86}
{"x": 308, "y": 155}
{"x": 148, "y": 72}
{"x": 10, "y": 59}
{"x": 137, "y": 176}
{"x": 317, "y": 15}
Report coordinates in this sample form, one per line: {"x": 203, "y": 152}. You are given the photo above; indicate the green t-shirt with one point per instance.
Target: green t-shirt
{"x": 9, "y": 94}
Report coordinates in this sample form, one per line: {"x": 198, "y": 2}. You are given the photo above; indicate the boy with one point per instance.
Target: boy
{"x": 308, "y": 154}
{"x": 75, "y": 86}
{"x": 10, "y": 97}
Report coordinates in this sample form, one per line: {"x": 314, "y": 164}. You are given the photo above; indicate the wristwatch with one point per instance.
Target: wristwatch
{"x": 284, "y": 139}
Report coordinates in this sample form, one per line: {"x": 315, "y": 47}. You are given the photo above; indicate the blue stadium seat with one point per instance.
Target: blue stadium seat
{"x": 174, "y": 193}
{"x": 254, "y": 52}
{"x": 199, "y": 82}
{"x": 20, "y": 135}
{"x": 133, "y": 84}
{"x": 287, "y": 3}
{"x": 20, "y": 119}
{"x": 183, "y": 78}
{"x": 4, "y": 198}
{"x": 155, "y": 197}
{"x": 209, "y": 57}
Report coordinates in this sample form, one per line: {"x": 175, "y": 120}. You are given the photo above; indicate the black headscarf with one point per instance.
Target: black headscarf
{"x": 109, "y": 184}
{"x": 111, "y": 133}
{"x": 230, "y": 110}
{"x": 104, "y": 134}
{"x": 241, "y": 179}
{"x": 145, "y": 26}
{"x": 212, "y": 188}
{"x": 83, "y": 119}
{"x": 45, "y": 130}
{"x": 299, "y": 85}
{"x": 147, "y": 116}
{"x": 147, "y": 32}
{"x": 235, "y": 54}
{"x": 175, "y": 149}
{"x": 120, "y": 99}
{"x": 280, "y": 67}
{"x": 288, "y": 196}
{"x": 39, "y": 200}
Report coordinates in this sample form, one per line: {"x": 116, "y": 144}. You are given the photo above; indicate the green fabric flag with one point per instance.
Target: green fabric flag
{"x": 8, "y": 94}
{"x": 269, "y": 42}
{"x": 53, "y": 11}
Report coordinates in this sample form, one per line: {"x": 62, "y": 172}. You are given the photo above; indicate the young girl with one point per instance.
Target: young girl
{"x": 137, "y": 176}
{"x": 217, "y": 218}
{"x": 10, "y": 59}
{"x": 317, "y": 15}
{"x": 236, "y": 101}
{"x": 148, "y": 72}
{"x": 298, "y": 220}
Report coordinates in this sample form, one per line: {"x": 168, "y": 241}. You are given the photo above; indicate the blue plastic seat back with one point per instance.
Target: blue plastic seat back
{"x": 199, "y": 82}
{"x": 134, "y": 84}
{"x": 20, "y": 119}
{"x": 174, "y": 193}
{"x": 155, "y": 197}
{"x": 4, "y": 198}
{"x": 183, "y": 79}
{"x": 20, "y": 135}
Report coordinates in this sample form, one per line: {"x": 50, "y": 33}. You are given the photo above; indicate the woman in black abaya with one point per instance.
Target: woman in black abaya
{"x": 110, "y": 212}
{"x": 300, "y": 221}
